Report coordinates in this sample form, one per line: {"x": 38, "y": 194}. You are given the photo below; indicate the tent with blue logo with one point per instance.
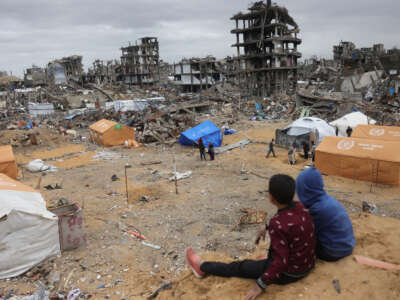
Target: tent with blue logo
{"x": 208, "y": 131}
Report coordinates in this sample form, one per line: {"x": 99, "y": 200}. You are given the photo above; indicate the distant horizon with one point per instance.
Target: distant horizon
{"x": 35, "y": 33}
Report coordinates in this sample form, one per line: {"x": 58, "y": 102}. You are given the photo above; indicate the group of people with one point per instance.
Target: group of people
{"x": 202, "y": 149}
{"x": 317, "y": 226}
{"x": 293, "y": 149}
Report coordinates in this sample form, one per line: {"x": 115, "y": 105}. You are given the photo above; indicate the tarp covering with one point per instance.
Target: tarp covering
{"x": 28, "y": 231}
{"x": 361, "y": 159}
{"x": 109, "y": 133}
{"x": 383, "y": 133}
{"x": 208, "y": 131}
{"x": 309, "y": 124}
{"x": 8, "y": 165}
{"x": 353, "y": 120}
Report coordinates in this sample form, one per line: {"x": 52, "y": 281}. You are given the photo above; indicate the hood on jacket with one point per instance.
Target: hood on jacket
{"x": 310, "y": 186}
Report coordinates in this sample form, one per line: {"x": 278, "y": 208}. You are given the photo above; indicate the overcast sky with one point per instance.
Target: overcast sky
{"x": 37, "y": 31}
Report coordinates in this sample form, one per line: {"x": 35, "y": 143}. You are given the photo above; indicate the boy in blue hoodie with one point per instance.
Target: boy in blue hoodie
{"x": 335, "y": 236}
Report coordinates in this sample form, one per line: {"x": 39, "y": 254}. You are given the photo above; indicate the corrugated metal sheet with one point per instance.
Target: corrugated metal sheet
{"x": 40, "y": 109}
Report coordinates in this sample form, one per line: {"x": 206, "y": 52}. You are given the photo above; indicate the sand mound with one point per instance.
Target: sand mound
{"x": 376, "y": 237}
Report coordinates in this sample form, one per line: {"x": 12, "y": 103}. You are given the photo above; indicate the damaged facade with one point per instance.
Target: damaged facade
{"x": 196, "y": 74}
{"x": 65, "y": 70}
{"x": 140, "y": 62}
{"x": 35, "y": 76}
{"x": 109, "y": 72}
{"x": 266, "y": 43}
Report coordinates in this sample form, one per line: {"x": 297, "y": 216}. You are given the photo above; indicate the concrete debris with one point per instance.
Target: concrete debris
{"x": 240, "y": 144}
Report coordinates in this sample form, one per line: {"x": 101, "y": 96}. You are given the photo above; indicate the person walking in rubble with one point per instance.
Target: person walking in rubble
{"x": 202, "y": 149}
{"x": 349, "y": 131}
{"x": 271, "y": 148}
{"x": 211, "y": 151}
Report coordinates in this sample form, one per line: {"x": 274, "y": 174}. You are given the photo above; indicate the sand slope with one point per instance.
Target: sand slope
{"x": 377, "y": 237}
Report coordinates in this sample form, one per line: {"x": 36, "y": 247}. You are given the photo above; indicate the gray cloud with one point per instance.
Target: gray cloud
{"x": 41, "y": 30}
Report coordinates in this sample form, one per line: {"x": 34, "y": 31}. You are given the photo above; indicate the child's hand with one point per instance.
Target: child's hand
{"x": 254, "y": 293}
{"x": 261, "y": 235}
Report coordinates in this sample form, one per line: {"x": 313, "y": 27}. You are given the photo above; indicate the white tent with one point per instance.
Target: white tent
{"x": 310, "y": 124}
{"x": 352, "y": 119}
{"x": 28, "y": 231}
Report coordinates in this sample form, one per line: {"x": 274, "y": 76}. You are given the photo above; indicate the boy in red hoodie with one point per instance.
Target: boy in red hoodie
{"x": 291, "y": 255}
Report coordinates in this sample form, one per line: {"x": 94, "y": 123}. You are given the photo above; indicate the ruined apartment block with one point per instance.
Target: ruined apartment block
{"x": 102, "y": 72}
{"x": 266, "y": 43}
{"x": 140, "y": 62}
{"x": 65, "y": 70}
{"x": 196, "y": 74}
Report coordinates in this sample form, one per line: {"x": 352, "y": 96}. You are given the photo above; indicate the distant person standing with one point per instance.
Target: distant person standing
{"x": 202, "y": 149}
{"x": 349, "y": 131}
{"x": 313, "y": 151}
{"x": 337, "y": 131}
{"x": 211, "y": 151}
{"x": 271, "y": 148}
{"x": 292, "y": 156}
{"x": 306, "y": 149}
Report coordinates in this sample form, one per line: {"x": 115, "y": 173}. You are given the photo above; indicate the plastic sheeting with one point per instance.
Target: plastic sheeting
{"x": 28, "y": 231}
{"x": 352, "y": 119}
{"x": 306, "y": 125}
{"x": 208, "y": 131}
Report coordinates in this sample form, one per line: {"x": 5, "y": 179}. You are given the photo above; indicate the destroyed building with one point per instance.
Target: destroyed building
{"x": 140, "y": 62}
{"x": 35, "y": 76}
{"x": 195, "y": 74}
{"x": 102, "y": 72}
{"x": 65, "y": 70}
{"x": 266, "y": 43}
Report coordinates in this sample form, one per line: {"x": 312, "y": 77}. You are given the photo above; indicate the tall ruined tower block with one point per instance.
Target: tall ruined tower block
{"x": 140, "y": 62}
{"x": 266, "y": 43}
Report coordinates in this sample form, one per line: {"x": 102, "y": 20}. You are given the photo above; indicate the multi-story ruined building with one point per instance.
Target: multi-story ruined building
{"x": 140, "y": 62}
{"x": 65, "y": 70}
{"x": 195, "y": 74}
{"x": 266, "y": 43}
{"x": 102, "y": 72}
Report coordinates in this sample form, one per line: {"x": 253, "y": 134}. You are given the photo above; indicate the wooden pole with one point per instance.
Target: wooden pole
{"x": 176, "y": 179}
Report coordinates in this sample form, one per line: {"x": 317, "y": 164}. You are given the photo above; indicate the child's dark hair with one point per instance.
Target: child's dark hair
{"x": 282, "y": 188}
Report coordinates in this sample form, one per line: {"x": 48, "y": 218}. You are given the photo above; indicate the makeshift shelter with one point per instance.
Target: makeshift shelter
{"x": 361, "y": 159}
{"x": 109, "y": 133}
{"x": 304, "y": 130}
{"x": 8, "y": 165}
{"x": 208, "y": 131}
{"x": 351, "y": 120}
{"x": 383, "y": 133}
{"x": 28, "y": 231}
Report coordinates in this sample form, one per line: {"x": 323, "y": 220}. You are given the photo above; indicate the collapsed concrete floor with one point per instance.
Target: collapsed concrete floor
{"x": 116, "y": 266}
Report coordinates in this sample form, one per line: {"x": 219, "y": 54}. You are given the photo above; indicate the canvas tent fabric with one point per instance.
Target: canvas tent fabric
{"x": 361, "y": 159}
{"x": 353, "y": 120}
{"x": 306, "y": 125}
{"x": 383, "y": 133}
{"x": 109, "y": 133}
{"x": 207, "y": 130}
{"x": 8, "y": 165}
{"x": 28, "y": 231}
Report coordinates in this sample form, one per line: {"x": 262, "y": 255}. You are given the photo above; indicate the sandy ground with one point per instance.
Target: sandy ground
{"x": 201, "y": 215}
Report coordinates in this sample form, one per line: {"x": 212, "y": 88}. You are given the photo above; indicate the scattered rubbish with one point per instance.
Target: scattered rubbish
{"x": 50, "y": 187}
{"x": 240, "y": 144}
{"x": 375, "y": 263}
{"x": 38, "y": 165}
{"x": 151, "y": 245}
{"x": 163, "y": 287}
{"x": 149, "y": 163}
{"x": 144, "y": 199}
{"x": 179, "y": 176}
{"x": 336, "y": 285}
{"x": 74, "y": 294}
{"x": 101, "y": 286}
{"x": 369, "y": 207}
{"x": 251, "y": 216}
{"x": 114, "y": 178}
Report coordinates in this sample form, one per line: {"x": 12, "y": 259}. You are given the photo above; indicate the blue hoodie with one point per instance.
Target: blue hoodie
{"x": 332, "y": 223}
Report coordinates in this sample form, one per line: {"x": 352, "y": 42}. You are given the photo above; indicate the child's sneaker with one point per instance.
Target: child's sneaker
{"x": 193, "y": 261}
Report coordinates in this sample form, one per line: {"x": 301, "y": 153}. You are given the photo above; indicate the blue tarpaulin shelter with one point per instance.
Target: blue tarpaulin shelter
{"x": 208, "y": 131}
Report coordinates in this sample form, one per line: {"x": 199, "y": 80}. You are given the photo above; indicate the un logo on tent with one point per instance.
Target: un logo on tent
{"x": 345, "y": 145}
{"x": 377, "y": 132}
